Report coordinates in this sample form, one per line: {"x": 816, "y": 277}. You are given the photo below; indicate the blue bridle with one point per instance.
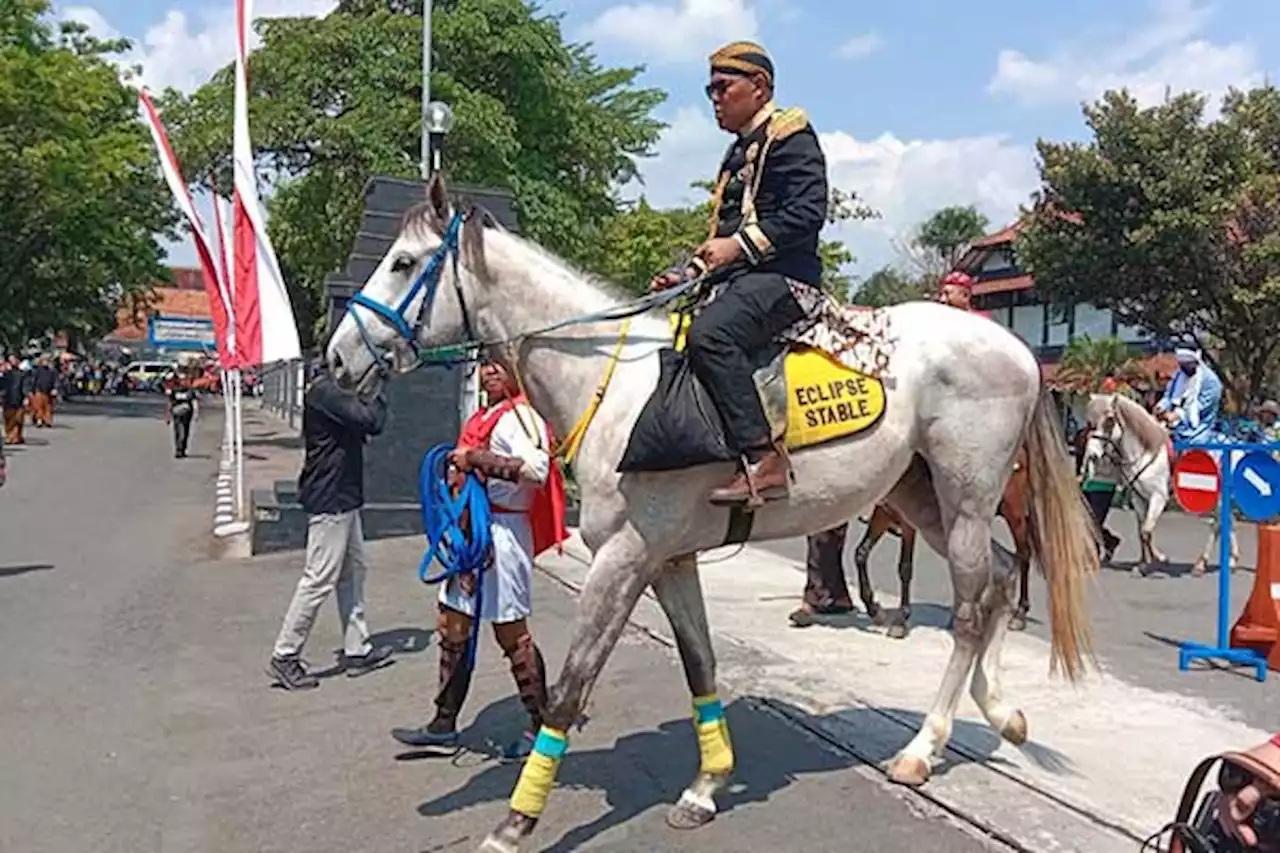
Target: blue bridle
{"x": 428, "y": 280}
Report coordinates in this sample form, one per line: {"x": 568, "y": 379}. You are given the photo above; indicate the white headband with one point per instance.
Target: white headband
{"x": 1183, "y": 354}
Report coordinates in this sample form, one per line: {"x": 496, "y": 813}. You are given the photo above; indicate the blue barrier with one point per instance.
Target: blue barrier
{"x": 1189, "y": 651}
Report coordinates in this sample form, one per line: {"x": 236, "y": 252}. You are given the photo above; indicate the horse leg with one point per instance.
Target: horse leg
{"x": 901, "y": 623}
{"x": 968, "y": 548}
{"x": 1022, "y": 545}
{"x": 680, "y": 594}
{"x": 986, "y": 688}
{"x": 1207, "y": 553}
{"x": 620, "y": 571}
{"x": 1155, "y": 508}
{"x": 876, "y": 528}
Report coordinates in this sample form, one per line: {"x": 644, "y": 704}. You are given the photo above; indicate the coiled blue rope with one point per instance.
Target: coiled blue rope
{"x": 449, "y": 545}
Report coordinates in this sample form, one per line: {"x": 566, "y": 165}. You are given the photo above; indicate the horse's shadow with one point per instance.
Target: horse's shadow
{"x": 649, "y": 769}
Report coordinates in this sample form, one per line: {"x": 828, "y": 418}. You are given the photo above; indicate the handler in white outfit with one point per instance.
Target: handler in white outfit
{"x": 508, "y": 444}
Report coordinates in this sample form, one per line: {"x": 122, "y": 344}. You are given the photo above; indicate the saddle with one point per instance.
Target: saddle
{"x": 809, "y": 398}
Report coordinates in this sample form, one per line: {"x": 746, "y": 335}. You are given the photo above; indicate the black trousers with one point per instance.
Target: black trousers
{"x": 181, "y": 432}
{"x": 824, "y": 569}
{"x": 749, "y": 312}
{"x": 1100, "y": 503}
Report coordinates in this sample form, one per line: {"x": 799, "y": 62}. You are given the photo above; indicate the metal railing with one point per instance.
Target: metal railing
{"x": 283, "y": 385}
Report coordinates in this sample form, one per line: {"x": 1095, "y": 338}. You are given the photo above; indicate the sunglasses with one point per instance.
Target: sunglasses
{"x": 717, "y": 88}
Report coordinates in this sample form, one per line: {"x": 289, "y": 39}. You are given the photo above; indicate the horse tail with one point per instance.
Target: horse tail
{"x": 1063, "y": 540}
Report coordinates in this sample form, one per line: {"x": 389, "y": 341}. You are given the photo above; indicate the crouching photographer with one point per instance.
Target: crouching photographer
{"x": 1243, "y": 814}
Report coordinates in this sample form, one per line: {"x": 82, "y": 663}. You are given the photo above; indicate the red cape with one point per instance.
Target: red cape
{"x": 546, "y": 516}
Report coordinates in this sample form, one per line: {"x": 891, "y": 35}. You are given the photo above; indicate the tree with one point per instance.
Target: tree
{"x": 889, "y": 286}
{"x": 1087, "y": 362}
{"x": 937, "y": 244}
{"x": 642, "y": 240}
{"x": 1170, "y": 221}
{"x": 80, "y": 195}
{"x": 335, "y": 100}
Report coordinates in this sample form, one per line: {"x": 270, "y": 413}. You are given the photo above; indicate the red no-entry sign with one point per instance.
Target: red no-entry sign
{"x": 1196, "y": 481}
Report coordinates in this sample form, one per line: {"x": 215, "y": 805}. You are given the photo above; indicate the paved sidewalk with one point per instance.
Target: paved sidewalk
{"x": 1107, "y": 759}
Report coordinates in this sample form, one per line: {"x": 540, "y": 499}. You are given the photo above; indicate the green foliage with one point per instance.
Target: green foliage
{"x": 642, "y": 240}
{"x": 1172, "y": 222}
{"x": 1087, "y": 362}
{"x": 889, "y": 286}
{"x": 336, "y": 100}
{"x": 80, "y": 195}
{"x": 936, "y": 245}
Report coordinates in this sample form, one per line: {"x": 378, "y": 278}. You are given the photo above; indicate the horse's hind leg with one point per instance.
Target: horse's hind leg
{"x": 680, "y": 594}
{"x": 968, "y": 548}
{"x": 901, "y": 623}
{"x": 620, "y": 571}
{"x": 1022, "y": 545}
{"x": 876, "y": 527}
{"x": 986, "y": 688}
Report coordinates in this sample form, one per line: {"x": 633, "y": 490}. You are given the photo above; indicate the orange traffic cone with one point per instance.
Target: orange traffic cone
{"x": 1258, "y": 627}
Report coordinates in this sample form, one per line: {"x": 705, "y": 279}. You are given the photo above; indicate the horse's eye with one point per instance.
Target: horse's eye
{"x": 404, "y": 263}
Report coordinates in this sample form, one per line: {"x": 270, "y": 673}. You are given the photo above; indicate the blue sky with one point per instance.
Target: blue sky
{"x": 920, "y": 103}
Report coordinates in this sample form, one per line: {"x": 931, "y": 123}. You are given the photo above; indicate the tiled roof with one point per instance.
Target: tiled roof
{"x": 168, "y": 302}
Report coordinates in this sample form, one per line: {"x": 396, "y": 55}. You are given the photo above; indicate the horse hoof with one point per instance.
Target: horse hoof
{"x": 897, "y": 631}
{"x": 878, "y": 617}
{"x": 801, "y": 618}
{"x": 689, "y": 815}
{"x": 1017, "y": 622}
{"x": 496, "y": 845}
{"x": 1137, "y": 572}
{"x": 1015, "y": 730}
{"x": 909, "y": 770}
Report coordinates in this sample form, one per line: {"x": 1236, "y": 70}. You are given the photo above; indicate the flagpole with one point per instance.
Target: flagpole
{"x": 239, "y": 447}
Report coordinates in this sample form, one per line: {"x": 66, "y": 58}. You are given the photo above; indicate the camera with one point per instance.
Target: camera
{"x": 1205, "y": 834}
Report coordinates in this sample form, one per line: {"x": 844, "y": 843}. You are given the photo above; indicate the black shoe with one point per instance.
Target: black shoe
{"x": 290, "y": 674}
{"x": 434, "y": 733}
{"x": 376, "y": 659}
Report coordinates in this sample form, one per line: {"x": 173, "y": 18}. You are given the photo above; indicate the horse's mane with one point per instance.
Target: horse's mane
{"x": 421, "y": 218}
{"x": 1140, "y": 422}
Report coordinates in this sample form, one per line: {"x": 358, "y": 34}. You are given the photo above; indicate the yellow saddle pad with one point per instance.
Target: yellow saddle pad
{"x": 827, "y": 400}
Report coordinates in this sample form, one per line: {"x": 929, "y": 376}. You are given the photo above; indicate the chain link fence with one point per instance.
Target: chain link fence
{"x": 282, "y": 387}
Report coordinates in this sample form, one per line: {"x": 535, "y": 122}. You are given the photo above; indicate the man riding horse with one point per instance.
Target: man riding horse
{"x": 770, "y": 205}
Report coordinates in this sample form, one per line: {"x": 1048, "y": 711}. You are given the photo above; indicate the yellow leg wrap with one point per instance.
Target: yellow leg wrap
{"x": 539, "y": 774}
{"x": 713, "y": 735}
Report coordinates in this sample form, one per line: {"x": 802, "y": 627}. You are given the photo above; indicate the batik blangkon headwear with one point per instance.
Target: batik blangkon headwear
{"x": 744, "y": 58}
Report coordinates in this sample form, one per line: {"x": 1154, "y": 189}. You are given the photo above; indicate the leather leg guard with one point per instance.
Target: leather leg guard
{"x": 530, "y": 673}
{"x": 455, "y": 682}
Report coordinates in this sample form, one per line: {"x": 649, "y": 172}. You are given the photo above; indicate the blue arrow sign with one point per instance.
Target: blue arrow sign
{"x": 1255, "y": 484}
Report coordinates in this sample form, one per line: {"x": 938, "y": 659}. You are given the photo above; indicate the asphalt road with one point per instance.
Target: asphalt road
{"x": 135, "y": 714}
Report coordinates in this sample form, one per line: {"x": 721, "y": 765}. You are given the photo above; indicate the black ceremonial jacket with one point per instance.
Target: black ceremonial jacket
{"x": 772, "y": 195}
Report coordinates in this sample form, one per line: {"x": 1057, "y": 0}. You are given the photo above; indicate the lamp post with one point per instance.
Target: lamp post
{"x": 437, "y": 121}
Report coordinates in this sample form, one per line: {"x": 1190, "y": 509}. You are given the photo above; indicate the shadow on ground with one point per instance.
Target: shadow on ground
{"x": 649, "y": 769}
{"x": 14, "y": 571}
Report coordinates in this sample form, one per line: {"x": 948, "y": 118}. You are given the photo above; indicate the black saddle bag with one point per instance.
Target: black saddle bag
{"x": 679, "y": 426}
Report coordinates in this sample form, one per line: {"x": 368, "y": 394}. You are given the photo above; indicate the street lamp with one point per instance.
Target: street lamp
{"x": 437, "y": 121}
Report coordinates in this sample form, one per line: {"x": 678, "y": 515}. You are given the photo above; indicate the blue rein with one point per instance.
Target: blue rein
{"x": 442, "y": 514}
{"x": 428, "y": 279}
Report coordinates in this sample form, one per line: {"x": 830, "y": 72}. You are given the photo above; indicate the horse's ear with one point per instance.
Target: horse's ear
{"x": 473, "y": 240}
{"x": 438, "y": 201}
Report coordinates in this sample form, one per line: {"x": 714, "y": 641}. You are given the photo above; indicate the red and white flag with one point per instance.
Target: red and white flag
{"x": 215, "y": 283}
{"x": 265, "y": 328}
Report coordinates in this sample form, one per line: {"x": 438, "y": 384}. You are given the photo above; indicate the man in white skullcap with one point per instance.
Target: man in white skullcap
{"x": 1191, "y": 399}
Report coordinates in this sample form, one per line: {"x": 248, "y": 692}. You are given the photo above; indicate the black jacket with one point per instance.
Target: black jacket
{"x": 15, "y": 385}
{"x": 334, "y": 424}
{"x": 772, "y": 195}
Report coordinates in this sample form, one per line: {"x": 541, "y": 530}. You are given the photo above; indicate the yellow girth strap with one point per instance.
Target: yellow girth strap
{"x": 568, "y": 448}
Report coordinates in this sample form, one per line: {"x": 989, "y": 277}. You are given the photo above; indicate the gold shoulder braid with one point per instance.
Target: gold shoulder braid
{"x": 785, "y": 122}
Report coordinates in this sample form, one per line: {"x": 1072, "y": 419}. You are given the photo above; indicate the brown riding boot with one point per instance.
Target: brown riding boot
{"x": 765, "y": 479}
{"x": 455, "y": 681}
{"x": 530, "y": 673}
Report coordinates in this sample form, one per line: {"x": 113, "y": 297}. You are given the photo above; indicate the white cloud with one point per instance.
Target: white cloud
{"x": 860, "y": 47}
{"x": 183, "y": 50}
{"x": 687, "y": 30}
{"x": 906, "y": 180}
{"x": 1166, "y": 55}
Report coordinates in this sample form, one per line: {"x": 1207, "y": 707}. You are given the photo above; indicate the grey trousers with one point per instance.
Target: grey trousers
{"x": 335, "y": 561}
